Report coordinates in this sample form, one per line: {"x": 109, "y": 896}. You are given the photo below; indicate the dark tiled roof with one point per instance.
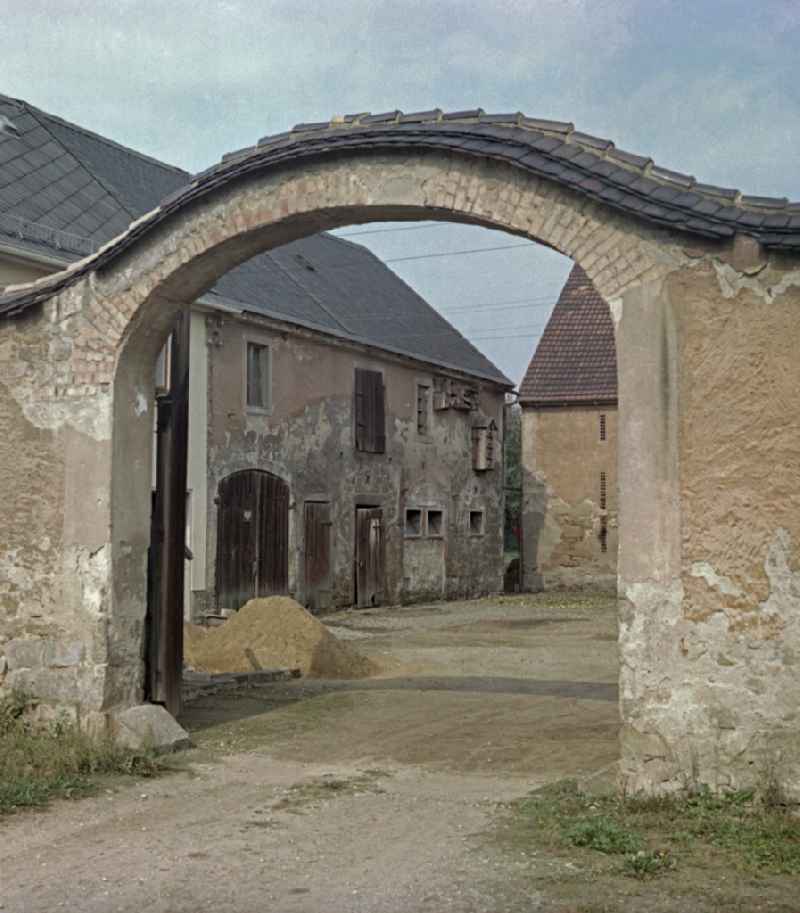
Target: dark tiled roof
{"x": 576, "y": 359}
{"x": 65, "y": 191}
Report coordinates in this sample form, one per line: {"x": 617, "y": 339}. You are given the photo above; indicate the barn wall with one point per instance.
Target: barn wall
{"x": 307, "y": 439}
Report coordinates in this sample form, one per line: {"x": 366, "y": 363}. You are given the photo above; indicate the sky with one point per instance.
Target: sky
{"x": 707, "y": 87}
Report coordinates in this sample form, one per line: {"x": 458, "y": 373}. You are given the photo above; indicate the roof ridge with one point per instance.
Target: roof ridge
{"x": 97, "y": 136}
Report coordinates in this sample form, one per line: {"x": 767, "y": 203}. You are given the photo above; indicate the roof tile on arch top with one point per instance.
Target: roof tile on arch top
{"x": 575, "y": 361}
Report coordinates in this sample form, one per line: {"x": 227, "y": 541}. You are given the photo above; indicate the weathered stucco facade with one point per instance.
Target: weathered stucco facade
{"x": 707, "y": 336}
{"x": 307, "y": 439}
{"x": 569, "y": 509}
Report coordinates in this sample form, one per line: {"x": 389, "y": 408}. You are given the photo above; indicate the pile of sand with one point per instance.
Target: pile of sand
{"x": 273, "y": 633}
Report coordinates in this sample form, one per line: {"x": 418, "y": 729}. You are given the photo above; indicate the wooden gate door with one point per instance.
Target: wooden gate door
{"x": 166, "y": 556}
{"x": 317, "y": 539}
{"x": 369, "y": 557}
{"x": 252, "y": 537}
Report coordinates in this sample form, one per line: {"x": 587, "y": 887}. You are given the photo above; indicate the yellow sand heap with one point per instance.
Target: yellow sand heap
{"x": 273, "y": 633}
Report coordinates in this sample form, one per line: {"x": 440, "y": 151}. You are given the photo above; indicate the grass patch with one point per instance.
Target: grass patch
{"x": 741, "y": 831}
{"x": 43, "y": 761}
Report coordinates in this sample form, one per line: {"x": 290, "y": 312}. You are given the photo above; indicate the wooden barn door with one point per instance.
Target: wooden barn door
{"x": 369, "y": 557}
{"x": 317, "y": 564}
{"x": 252, "y": 537}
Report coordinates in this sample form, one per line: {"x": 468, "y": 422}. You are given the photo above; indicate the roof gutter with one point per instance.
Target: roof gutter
{"x": 28, "y": 256}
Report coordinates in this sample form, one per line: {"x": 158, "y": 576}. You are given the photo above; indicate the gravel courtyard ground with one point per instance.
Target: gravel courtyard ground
{"x": 373, "y": 795}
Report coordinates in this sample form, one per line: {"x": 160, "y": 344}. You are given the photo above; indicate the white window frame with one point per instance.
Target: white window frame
{"x": 264, "y": 343}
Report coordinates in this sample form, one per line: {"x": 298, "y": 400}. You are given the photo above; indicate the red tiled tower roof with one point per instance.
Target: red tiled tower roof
{"x": 576, "y": 359}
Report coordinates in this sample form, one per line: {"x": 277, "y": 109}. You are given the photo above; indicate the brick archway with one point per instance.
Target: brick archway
{"x": 704, "y": 288}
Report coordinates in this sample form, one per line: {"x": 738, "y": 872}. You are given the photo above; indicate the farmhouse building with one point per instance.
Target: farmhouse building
{"x": 345, "y": 441}
{"x": 569, "y": 445}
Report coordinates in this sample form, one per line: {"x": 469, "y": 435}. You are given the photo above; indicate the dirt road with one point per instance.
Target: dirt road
{"x": 345, "y": 797}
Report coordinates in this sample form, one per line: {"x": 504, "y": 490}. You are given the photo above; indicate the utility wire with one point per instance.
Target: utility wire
{"x": 458, "y": 253}
{"x": 381, "y": 231}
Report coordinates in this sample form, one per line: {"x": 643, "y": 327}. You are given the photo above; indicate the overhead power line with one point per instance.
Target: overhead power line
{"x": 458, "y": 253}
{"x": 382, "y": 231}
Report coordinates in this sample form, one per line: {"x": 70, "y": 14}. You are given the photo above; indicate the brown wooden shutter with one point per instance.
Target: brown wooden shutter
{"x": 361, "y": 410}
{"x": 379, "y": 413}
{"x": 370, "y": 411}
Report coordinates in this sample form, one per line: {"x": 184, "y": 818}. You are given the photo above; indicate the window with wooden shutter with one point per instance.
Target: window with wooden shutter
{"x": 370, "y": 412}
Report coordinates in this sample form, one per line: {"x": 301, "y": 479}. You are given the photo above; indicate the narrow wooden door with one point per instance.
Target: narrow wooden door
{"x": 369, "y": 557}
{"x": 252, "y": 537}
{"x": 317, "y": 563}
{"x": 166, "y": 558}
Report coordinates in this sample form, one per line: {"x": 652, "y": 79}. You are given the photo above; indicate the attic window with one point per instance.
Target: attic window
{"x": 602, "y": 426}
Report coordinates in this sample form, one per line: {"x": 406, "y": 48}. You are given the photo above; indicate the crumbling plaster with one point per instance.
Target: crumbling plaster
{"x": 708, "y": 430}
{"x": 307, "y": 439}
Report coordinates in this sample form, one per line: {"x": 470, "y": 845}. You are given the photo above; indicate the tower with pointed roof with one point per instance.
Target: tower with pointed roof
{"x": 569, "y": 445}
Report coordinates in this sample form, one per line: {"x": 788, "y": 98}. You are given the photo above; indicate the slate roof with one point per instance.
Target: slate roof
{"x": 576, "y": 359}
{"x": 65, "y": 191}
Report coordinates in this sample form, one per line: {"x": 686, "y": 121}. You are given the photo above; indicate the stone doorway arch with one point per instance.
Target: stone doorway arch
{"x": 704, "y": 288}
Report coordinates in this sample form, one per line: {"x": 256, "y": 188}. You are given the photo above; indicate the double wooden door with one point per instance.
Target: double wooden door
{"x": 369, "y": 557}
{"x": 252, "y": 537}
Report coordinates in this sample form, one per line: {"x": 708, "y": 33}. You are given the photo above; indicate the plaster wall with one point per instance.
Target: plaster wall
{"x": 307, "y": 439}
{"x": 562, "y": 461}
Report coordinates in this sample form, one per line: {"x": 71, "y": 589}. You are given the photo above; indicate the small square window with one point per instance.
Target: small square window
{"x": 258, "y": 379}
{"x": 413, "y": 522}
{"x": 476, "y": 522}
{"x": 435, "y": 523}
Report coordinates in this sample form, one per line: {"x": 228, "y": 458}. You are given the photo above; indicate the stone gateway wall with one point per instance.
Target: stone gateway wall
{"x": 707, "y": 334}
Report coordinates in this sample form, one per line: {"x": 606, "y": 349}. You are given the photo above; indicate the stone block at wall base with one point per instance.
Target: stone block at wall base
{"x": 148, "y": 726}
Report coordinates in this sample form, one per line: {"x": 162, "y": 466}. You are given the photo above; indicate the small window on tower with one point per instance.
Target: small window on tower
{"x": 258, "y": 376}
{"x": 602, "y": 491}
{"x": 604, "y": 533}
{"x": 602, "y": 426}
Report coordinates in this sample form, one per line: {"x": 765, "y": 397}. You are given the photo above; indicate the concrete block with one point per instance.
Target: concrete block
{"x": 25, "y": 653}
{"x": 149, "y": 726}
